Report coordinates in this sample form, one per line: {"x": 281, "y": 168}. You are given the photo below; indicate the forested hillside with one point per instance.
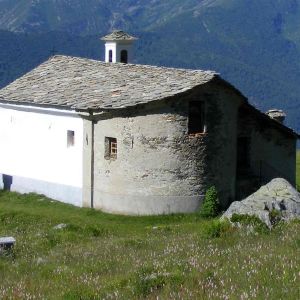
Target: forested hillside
{"x": 22, "y": 52}
{"x": 254, "y": 44}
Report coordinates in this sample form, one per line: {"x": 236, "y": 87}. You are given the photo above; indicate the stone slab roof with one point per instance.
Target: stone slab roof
{"x": 118, "y": 35}
{"x": 85, "y": 84}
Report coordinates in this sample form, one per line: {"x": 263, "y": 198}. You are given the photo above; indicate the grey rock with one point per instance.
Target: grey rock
{"x": 7, "y": 243}
{"x": 278, "y": 195}
{"x": 5, "y": 240}
{"x": 40, "y": 261}
{"x": 60, "y": 226}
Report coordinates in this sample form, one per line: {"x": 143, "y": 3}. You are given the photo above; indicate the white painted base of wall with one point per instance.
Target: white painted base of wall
{"x": 148, "y": 205}
{"x": 63, "y": 193}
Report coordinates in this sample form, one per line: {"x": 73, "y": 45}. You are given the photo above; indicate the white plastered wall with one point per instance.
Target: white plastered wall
{"x": 34, "y": 152}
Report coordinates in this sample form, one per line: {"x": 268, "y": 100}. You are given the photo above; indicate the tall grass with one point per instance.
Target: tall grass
{"x": 101, "y": 256}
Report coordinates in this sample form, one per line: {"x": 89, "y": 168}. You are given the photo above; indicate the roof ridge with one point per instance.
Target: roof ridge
{"x": 119, "y": 64}
{"x": 88, "y": 84}
{"x": 118, "y": 35}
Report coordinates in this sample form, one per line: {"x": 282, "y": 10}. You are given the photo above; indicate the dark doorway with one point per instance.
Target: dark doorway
{"x": 7, "y": 182}
{"x": 124, "y": 56}
{"x": 243, "y": 152}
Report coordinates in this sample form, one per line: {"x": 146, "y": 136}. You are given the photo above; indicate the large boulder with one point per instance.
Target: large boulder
{"x": 277, "y": 198}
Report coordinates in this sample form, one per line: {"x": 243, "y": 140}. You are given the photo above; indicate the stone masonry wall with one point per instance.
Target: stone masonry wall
{"x": 272, "y": 151}
{"x": 160, "y": 168}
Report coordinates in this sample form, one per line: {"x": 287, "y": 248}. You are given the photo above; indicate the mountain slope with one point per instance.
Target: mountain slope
{"x": 23, "y": 52}
{"x": 254, "y": 44}
{"x": 245, "y": 45}
{"x": 88, "y": 17}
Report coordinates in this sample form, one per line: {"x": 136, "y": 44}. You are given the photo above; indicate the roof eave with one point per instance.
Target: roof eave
{"x": 119, "y": 40}
{"x": 33, "y": 104}
{"x": 277, "y": 124}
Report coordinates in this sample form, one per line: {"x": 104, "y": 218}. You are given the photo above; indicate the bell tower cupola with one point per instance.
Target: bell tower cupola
{"x": 118, "y": 47}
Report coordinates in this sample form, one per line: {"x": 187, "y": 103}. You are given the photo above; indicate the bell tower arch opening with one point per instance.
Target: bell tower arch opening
{"x": 124, "y": 56}
{"x": 118, "y": 47}
{"x": 110, "y": 56}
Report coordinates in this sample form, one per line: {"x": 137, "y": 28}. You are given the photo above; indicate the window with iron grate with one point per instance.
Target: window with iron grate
{"x": 111, "y": 148}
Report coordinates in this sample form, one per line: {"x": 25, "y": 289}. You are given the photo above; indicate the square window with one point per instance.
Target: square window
{"x": 70, "y": 138}
{"x": 111, "y": 148}
{"x": 196, "y": 123}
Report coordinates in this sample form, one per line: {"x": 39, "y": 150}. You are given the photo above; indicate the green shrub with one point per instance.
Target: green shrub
{"x": 96, "y": 231}
{"x": 211, "y": 205}
{"x": 275, "y": 217}
{"x": 53, "y": 238}
{"x": 217, "y": 228}
{"x": 148, "y": 280}
{"x": 81, "y": 294}
{"x": 297, "y": 243}
{"x": 245, "y": 219}
{"x": 134, "y": 243}
{"x": 258, "y": 225}
{"x": 87, "y": 230}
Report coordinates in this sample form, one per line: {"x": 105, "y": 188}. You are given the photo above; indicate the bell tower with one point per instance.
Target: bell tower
{"x": 118, "y": 47}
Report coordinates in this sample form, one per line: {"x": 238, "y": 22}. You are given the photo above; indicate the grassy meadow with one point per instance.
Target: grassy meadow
{"x": 101, "y": 256}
